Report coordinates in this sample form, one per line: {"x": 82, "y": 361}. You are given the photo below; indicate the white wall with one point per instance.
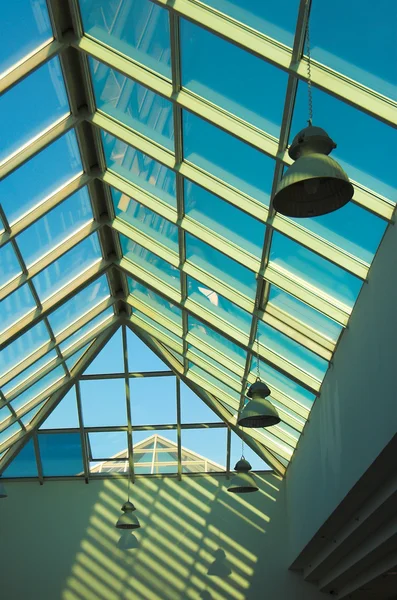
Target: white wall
{"x": 356, "y": 414}
{"x": 58, "y": 542}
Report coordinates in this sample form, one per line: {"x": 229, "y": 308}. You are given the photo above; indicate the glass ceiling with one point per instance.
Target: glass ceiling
{"x": 139, "y": 151}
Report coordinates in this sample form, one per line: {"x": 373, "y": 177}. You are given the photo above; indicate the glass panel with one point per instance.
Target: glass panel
{"x": 220, "y": 266}
{"x": 64, "y": 414}
{"x": 55, "y": 227}
{"x": 204, "y": 56}
{"x": 103, "y": 317}
{"x": 26, "y": 373}
{"x": 305, "y": 313}
{"x": 23, "y": 346}
{"x": 209, "y": 444}
{"x": 160, "y": 304}
{"x": 314, "y": 271}
{"x": 25, "y": 27}
{"x": 79, "y": 304}
{"x": 9, "y": 432}
{"x": 133, "y": 104}
{"x": 40, "y": 177}
{"x": 278, "y": 20}
{"x": 362, "y": 240}
{"x": 26, "y": 419}
{"x": 145, "y": 220}
{"x": 219, "y": 305}
{"x": 74, "y": 361}
{"x": 110, "y": 358}
{"x": 56, "y": 376}
{"x": 236, "y": 451}
{"x": 373, "y": 63}
{"x": 22, "y": 120}
{"x": 61, "y": 454}
{"x": 153, "y": 400}
{"x": 138, "y": 168}
{"x": 195, "y": 410}
{"x": 228, "y": 158}
{"x": 9, "y": 265}
{"x": 68, "y": 267}
{"x": 277, "y": 380}
{"x": 5, "y": 414}
{"x": 210, "y": 379}
{"x": 224, "y": 218}
{"x": 15, "y": 306}
{"x": 351, "y": 130}
{"x": 107, "y": 444}
{"x": 217, "y": 341}
{"x": 212, "y": 366}
{"x": 158, "y": 327}
{"x": 292, "y": 351}
{"x": 103, "y": 402}
{"x": 150, "y": 261}
{"x": 24, "y": 464}
{"x": 137, "y": 28}
{"x": 140, "y": 357}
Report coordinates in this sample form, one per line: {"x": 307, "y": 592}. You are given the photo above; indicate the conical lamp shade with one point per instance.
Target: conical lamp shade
{"x": 242, "y": 482}
{"x": 315, "y": 184}
{"x": 259, "y": 411}
{"x": 3, "y": 493}
{"x": 127, "y": 541}
{"x": 128, "y": 520}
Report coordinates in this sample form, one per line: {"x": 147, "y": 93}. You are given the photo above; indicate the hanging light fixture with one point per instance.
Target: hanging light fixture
{"x": 314, "y": 184}
{"x": 127, "y": 541}
{"x": 242, "y": 482}
{"x": 128, "y": 520}
{"x": 259, "y": 411}
{"x": 3, "y": 493}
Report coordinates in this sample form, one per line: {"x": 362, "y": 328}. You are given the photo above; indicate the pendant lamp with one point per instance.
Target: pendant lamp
{"x": 128, "y": 520}
{"x": 259, "y": 411}
{"x": 3, "y": 493}
{"x": 242, "y": 482}
{"x": 127, "y": 541}
{"x": 314, "y": 184}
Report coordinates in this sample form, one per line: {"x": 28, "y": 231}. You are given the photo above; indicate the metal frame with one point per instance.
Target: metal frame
{"x": 73, "y": 46}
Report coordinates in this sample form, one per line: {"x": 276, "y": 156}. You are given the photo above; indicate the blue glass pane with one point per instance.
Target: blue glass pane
{"x": 204, "y": 56}
{"x": 195, "y": 410}
{"x": 9, "y": 265}
{"x": 292, "y": 351}
{"x": 218, "y": 341}
{"x": 361, "y": 240}
{"x": 351, "y": 130}
{"x": 24, "y": 464}
{"x": 53, "y": 377}
{"x": 277, "y": 380}
{"x": 228, "y": 158}
{"x": 136, "y": 28}
{"x": 106, "y": 444}
{"x": 15, "y": 306}
{"x": 57, "y": 225}
{"x": 101, "y": 318}
{"x": 160, "y": 304}
{"x": 224, "y": 218}
{"x": 372, "y": 63}
{"x": 210, "y": 379}
{"x": 64, "y": 414}
{"x": 9, "y": 432}
{"x": 103, "y": 402}
{"x": 25, "y": 27}
{"x": 67, "y": 267}
{"x": 110, "y": 359}
{"x": 275, "y": 19}
{"x": 73, "y": 361}
{"x": 145, "y": 220}
{"x": 24, "y": 345}
{"x": 140, "y": 169}
{"x": 314, "y": 270}
{"x": 140, "y": 357}
{"x": 28, "y": 417}
{"x": 153, "y": 263}
{"x": 79, "y": 304}
{"x": 219, "y": 305}
{"x": 133, "y": 104}
{"x": 60, "y": 453}
{"x": 221, "y": 266}
{"x": 26, "y": 373}
{"x": 153, "y": 400}
{"x": 158, "y": 327}
{"x": 305, "y": 313}
{"x": 210, "y": 443}
{"x": 213, "y": 365}
{"x": 22, "y": 120}
{"x": 40, "y": 177}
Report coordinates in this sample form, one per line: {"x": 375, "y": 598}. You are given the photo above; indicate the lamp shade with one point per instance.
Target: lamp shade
{"x": 259, "y": 411}
{"x": 3, "y": 493}
{"x": 315, "y": 184}
{"x": 127, "y": 541}
{"x": 242, "y": 482}
{"x": 128, "y": 520}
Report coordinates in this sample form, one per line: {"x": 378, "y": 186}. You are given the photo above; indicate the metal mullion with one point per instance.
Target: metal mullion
{"x": 152, "y": 313}
{"x": 52, "y": 303}
{"x": 11, "y": 409}
{"x": 45, "y": 348}
{"x": 45, "y": 206}
{"x": 82, "y": 432}
{"x": 128, "y": 404}
{"x": 131, "y": 375}
{"x": 178, "y": 419}
{"x": 228, "y": 451}
{"x": 38, "y": 458}
{"x": 154, "y": 455}
{"x": 134, "y": 319}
